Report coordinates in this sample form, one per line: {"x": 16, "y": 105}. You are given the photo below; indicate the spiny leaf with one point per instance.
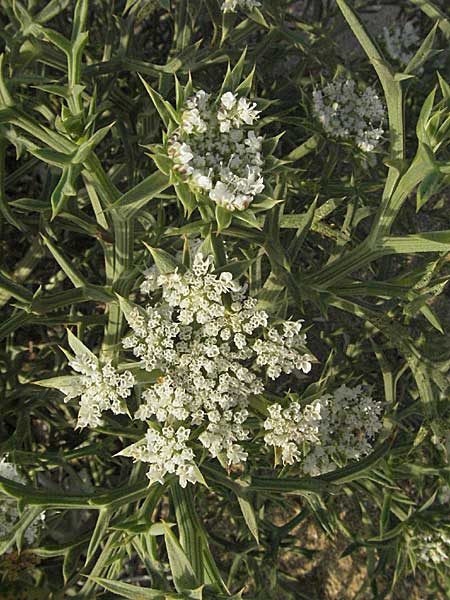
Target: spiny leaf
{"x": 139, "y": 196}
{"x": 423, "y": 53}
{"x": 126, "y": 590}
{"x": 164, "y": 108}
{"x": 163, "y": 260}
{"x": 182, "y": 571}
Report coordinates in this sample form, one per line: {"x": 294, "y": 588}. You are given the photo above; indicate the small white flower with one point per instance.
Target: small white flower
{"x": 253, "y": 141}
{"x": 202, "y": 181}
{"x": 228, "y": 100}
{"x": 246, "y": 111}
{"x": 221, "y": 195}
{"x": 184, "y": 154}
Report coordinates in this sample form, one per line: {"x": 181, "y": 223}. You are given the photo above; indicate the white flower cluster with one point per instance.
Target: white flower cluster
{"x": 346, "y": 113}
{"x": 234, "y": 5}
{"x": 401, "y": 42}
{"x": 338, "y": 427}
{"x": 434, "y": 548}
{"x": 216, "y": 152}
{"x": 289, "y": 428}
{"x": 166, "y": 452}
{"x": 100, "y": 388}
{"x": 212, "y": 347}
{"x": 9, "y": 512}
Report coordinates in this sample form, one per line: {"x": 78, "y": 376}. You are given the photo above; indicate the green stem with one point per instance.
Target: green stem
{"x": 193, "y": 537}
{"x": 189, "y": 526}
{"x": 343, "y": 266}
{"x": 4, "y": 207}
{"x": 118, "y": 262}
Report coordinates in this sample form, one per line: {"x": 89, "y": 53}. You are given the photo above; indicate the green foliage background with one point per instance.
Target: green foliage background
{"x": 340, "y": 241}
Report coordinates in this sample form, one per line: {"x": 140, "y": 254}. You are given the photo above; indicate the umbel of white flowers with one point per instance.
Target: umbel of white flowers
{"x": 338, "y": 427}
{"x": 234, "y": 5}
{"x": 214, "y": 349}
{"x": 401, "y": 41}
{"x": 9, "y": 512}
{"x": 216, "y": 150}
{"x": 346, "y": 113}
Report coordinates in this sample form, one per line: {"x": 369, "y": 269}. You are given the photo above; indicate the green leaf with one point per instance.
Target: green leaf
{"x": 183, "y": 574}
{"x": 87, "y": 147}
{"x": 370, "y": 47}
{"x": 16, "y": 320}
{"x": 424, "y": 116}
{"x": 137, "y": 526}
{"x": 257, "y": 16}
{"x": 71, "y": 559}
{"x": 5, "y": 96}
{"x": 248, "y": 218}
{"x": 63, "y": 382}
{"x": 191, "y": 534}
{"x": 445, "y": 87}
{"x": 249, "y": 515}
{"x": 59, "y": 159}
{"x": 121, "y": 496}
{"x": 103, "y": 519}
{"x": 244, "y": 88}
{"x": 432, "y": 318}
{"x": 432, "y": 241}
{"x": 186, "y": 197}
{"x": 423, "y": 53}
{"x": 427, "y": 188}
{"x": 290, "y": 485}
{"x": 165, "y": 110}
{"x": 78, "y": 347}
{"x": 164, "y": 261}
{"x": 56, "y": 38}
{"x": 126, "y": 590}
{"x": 235, "y": 76}
{"x": 64, "y": 188}
{"x": 11, "y": 288}
{"x": 228, "y": 23}
{"x": 51, "y": 10}
{"x": 304, "y": 149}
{"x": 67, "y": 266}
{"x": 223, "y": 218}
{"x": 38, "y": 498}
{"x": 359, "y": 469}
{"x": 58, "y": 90}
{"x": 303, "y": 229}
{"x": 395, "y": 105}
{"x": 133, "y": 201}
{"x": 163, "y": 163}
